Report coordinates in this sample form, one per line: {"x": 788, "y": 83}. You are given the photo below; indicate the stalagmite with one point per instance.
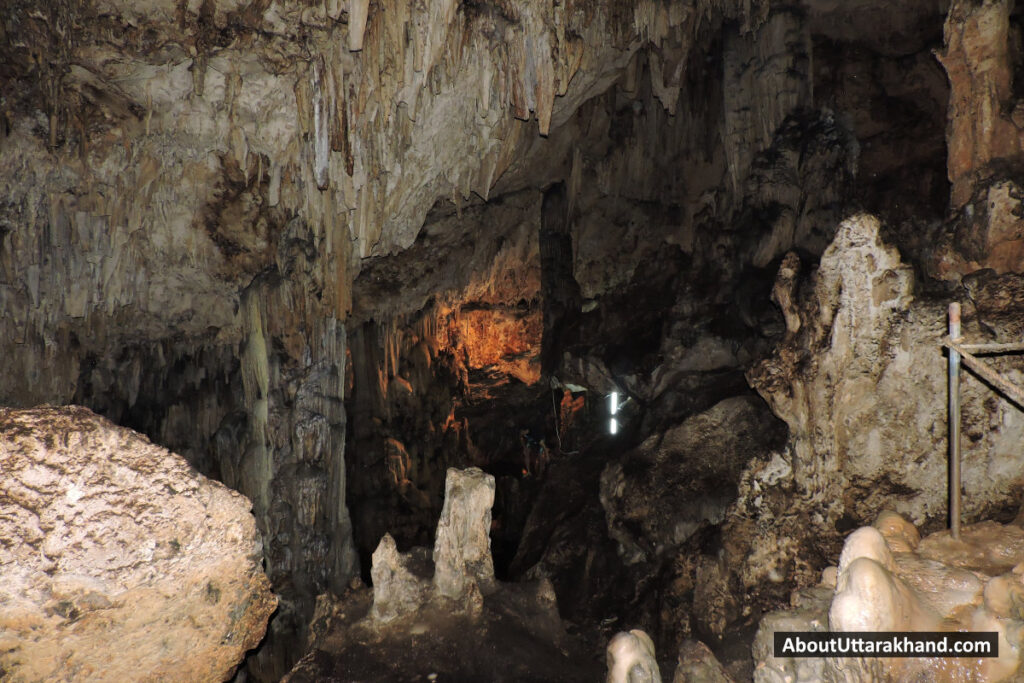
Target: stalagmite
{"x": 935, "y": 585}
{"x": 631, "y": 659}
{"x": 865, "y": 542}
{"x": 462, "y": 551}
{"x": 869, "y": 598}
{"x": 397, "y": 589}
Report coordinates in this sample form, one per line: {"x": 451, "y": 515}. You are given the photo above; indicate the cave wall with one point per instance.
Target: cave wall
{"x": 188, "y": 189}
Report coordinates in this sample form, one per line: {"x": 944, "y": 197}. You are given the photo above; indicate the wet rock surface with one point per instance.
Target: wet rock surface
{"x": 119, "y": 561}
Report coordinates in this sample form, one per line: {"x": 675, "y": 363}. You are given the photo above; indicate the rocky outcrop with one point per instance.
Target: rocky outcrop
{"x": 840, "y": 380}
{"x": 119, "y": 561}
{"x": 882, "y": 584}
{"x": 675, "y": 482}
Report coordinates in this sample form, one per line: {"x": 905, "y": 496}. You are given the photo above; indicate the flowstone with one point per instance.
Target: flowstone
{"x": 887, "y": 581}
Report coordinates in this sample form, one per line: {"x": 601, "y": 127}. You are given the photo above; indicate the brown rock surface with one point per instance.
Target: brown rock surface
{"x": 119, "y": 562}
{"x": 697, "y": 664}
{"x": 979, "y": 61}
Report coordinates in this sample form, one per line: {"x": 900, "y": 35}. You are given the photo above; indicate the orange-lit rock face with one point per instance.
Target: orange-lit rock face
{"x": 506, "y": 340}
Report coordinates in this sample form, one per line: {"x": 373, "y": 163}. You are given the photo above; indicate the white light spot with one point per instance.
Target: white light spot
{"x": 613, "y": 407}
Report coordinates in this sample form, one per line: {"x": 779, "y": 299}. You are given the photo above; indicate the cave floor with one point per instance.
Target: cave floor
{"x": 504, "y": 643}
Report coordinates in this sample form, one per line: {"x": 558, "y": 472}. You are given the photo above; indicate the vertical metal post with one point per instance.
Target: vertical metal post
{"x": 954, "y": 422}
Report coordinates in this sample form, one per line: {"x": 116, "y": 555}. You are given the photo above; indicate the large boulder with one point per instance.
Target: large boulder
{"x": 119, "y": 561}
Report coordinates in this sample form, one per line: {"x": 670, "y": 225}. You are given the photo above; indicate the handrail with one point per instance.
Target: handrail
{"x": 960, "y": 352}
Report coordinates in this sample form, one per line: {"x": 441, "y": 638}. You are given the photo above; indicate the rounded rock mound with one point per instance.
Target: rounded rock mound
{"x": 118, "y": 561}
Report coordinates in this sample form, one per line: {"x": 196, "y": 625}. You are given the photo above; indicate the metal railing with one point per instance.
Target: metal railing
{"x": 965, "y": 353}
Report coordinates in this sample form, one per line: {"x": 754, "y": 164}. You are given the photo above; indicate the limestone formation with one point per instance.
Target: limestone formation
{"x": 397, "y": 589}
{"x": 445, "y": 613}
{"x": 944, "y": 585}
{"x": 462, "y": 551}
{"x": 327, "y": 250}
{"x": 190, "y": 189}
{"x": 899, "y": 534}
{"x": 869, "y": 598}
{"x": 867, "y": 542}
{"x": 810, "y": 616}
{"x": 856, "y": 444}
{"x": 119, "y": 561}
{"x": 461, "y": 570}
{"x": 978, "y": 58}
{"x": 631, "y": 659}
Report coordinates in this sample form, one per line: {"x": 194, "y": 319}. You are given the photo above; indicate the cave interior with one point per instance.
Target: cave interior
{"x": 673, "y": 272}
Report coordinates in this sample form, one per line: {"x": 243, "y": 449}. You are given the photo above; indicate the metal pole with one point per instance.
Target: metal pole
{"x": 954, "y": 422}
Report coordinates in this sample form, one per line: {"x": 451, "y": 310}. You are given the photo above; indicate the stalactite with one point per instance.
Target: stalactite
{"x": 357, "y": 13}
{"x": 767, "y": 78}
{"x": 257, "y": 468}
{"x": 321, "y": 139}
